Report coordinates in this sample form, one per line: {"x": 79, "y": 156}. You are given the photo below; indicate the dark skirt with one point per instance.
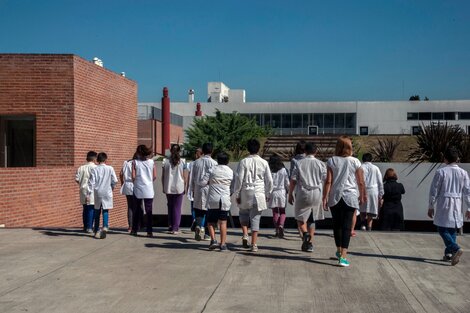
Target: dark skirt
{"x": 391, "y": 216}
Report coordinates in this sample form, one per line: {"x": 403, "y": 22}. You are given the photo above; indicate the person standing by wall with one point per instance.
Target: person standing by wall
{"x": 253, "y": 186}
{"x": 343, "y": 192}
{"x": 449, "y": 193}
{"x": 144, "y": 173}
{"x": 81, "y": 177}
{"x": 307, "y": 180}
{"x": 189, "y": 191}
{"x": 174, "y": 178}
{"x": 374, "y": 189}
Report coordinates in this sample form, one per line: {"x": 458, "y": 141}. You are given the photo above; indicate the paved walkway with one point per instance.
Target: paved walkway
{"x": 67, "y": 271}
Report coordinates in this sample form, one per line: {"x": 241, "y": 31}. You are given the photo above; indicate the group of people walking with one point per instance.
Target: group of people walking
{"x": 343, "y": 185}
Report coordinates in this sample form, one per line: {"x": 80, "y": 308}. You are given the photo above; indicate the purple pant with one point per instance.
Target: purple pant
{"x": 174, "y": 202}
{"x": 137, "y": 214}
{"x": 279, "y": 217}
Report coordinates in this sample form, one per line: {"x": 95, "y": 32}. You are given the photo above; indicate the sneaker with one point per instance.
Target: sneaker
{"x": 197, "y": 234}
{"x": 102, "y": 234}
{"x": 306, "y": 239}
{"x": 281, "y": 232}
{"x": 89, "y": 231}
{"x": 456, "y": 257}
{"x": 363, "y": 228}
{"x": 343, "y": 262}
{"x": 447, "y": 257}
{"x": 276, "y": 233}
{"x": 338, "y": 255}
{"x": 206, "y": 237}
{"x": 150, "y": 235}
{"x": 223, "y": 247}
{"x": 105, "y": 229}
{"x": 133, "y": 233}
{"x": 310, "y": 247}
{"x": 254, "y": 248}
{"x": 245, "y": 242}
{"x": 213, "y": 245}
{"x": 193, "y": 226}
{"x": 96, "y": 235}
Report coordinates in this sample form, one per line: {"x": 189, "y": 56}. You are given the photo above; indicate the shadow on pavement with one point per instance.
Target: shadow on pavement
{"x": 400, "y": 257}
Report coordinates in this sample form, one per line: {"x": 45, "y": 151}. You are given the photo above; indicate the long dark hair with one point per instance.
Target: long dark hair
{"x": 142, "y": 152}
{"x": 275, "y": 163}
{"x": 175, "y": 154}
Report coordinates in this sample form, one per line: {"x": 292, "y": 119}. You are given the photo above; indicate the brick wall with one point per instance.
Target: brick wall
{"x": 150, "y": 134}
{"x": 73, "y": 101}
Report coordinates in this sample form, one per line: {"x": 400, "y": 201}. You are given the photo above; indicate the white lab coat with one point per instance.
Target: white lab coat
{"x": 200, "y": 171}
{"x": 374, "y": 188}
{"x": 449, "y": 192}
{"x": 189, "y": 194}
{"x": 173, "y": 182}
{"x": 253, "y": 183}
{"x": 344, "y": 184}
{"x": 101, "y": 183}
{"x": 310, "y": 175}
{"x": 81, "y": 177}
{"x": 127, "y": 187}
{"x": 280, "y": 188}
{"x": 220, "y": 180}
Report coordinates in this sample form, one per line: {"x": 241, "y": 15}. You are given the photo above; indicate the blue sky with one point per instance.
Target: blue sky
{"x": 276, "y": 50}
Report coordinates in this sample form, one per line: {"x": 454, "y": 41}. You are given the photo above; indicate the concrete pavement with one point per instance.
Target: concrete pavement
{"x": 64, "y": 270}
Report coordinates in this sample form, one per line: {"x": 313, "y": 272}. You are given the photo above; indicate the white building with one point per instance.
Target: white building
{"x": 353, "y": 117}
{"x": 219, "y": 92}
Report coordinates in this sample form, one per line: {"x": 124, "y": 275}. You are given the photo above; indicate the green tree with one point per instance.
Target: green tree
{"x": 228, "y": 132}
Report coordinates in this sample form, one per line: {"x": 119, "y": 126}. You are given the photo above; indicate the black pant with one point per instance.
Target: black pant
{"x": 342, "y": 222}
{"x": 130, "y": 208}
{"x": 200, "y": 217}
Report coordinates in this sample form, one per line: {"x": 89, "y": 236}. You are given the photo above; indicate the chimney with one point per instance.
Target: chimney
{"x": 191, "y": 96}
{"x": 98, "y": 61}
{"x": 198, "y": 110}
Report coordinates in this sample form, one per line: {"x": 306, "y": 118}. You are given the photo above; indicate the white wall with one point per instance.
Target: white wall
{"x": 415, "y": 201}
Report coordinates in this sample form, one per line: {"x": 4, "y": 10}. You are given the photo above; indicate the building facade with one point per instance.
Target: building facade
{"x": 54, "y": 108}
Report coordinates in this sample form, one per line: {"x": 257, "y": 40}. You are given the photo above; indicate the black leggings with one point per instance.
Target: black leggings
{"x": 342, "y": 222}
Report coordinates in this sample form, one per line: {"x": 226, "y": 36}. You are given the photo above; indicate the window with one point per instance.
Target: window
{"x": 17, "y": 141}
{"x": 464, "y": 115}
{"x": 449, "y": 116}
{"x": 276, "y": 120}
{"x": 306, "y": 120}
{"x": 437, "y": 115}
{"x": 318, "y": 120}
{"x": 313, "y": 130}
{"x": 412, "y": 116}
{"x": 339, "y": 120}
{"x": 297, "y": 121}
{"x": 286, "y": 121}
{"x": 329, "y": 120}
{"x": 425, "y": 116}
{"x": 468, "y": 129}
{"x": 415, "y": 130}
{"x": 364, "y": 130}
{"x": 351, "y": 121}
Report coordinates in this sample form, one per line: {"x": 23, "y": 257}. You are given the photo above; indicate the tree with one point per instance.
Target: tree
{"x": 228, "y": 132}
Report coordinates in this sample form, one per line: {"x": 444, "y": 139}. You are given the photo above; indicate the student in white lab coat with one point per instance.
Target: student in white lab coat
{"x": 343, "y": 193}
{"x": 252, "y": 188}
{"x": 200, "y": 171}
{"x": 81, "y": 177}
{"x": 189, "y": 191}
{"x": 449, "y": 193}
{"x": 101, "y": 184}
{"x": 374, "y": 189}
{"x": 144, "y": 173}
{"x": 307, "y": 180}
{"x": 220, "y": 180}
{"x": 174, "y": 178}
{"x": 278, "y": 201}
{"x": 127, "y": 188}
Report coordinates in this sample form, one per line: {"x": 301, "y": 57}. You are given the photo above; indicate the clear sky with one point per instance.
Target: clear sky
{"x": 277, "y": 50}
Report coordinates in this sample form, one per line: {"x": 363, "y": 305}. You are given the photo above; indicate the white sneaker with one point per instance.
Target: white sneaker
{"x": 363, "y": 228}
{"x": 105, "y": 229}
{"x": 254, "y": 248}
{"x": 245, "y": 242}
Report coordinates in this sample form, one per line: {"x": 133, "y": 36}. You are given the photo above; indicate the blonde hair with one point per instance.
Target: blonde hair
{"x": 344, "y": 147}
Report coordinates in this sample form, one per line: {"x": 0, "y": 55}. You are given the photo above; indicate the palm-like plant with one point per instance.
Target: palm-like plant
{"x": 433, "y": 140}
{"x": 385, "y": 149}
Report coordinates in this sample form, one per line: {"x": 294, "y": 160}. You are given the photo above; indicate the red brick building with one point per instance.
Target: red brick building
{"x": 150, "y": 134}
{"x": 53, "y": 109}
